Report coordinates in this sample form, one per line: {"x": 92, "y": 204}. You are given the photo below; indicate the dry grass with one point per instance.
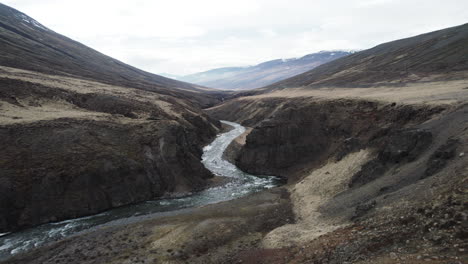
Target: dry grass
{"x": 58, "y": 109}
{"x": 443, "y": 92}
{"x": 11, "y": 114}
{"x": 309, "y": 194}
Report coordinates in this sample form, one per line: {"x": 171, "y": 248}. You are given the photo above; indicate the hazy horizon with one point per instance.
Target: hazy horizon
{"x": 185, "y": 37}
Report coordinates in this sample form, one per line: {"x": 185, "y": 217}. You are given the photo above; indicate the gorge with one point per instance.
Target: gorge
{"x": 359, "y": 160}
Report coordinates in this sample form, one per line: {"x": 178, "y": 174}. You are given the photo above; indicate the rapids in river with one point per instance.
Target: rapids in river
{"x": 240, "y": 184}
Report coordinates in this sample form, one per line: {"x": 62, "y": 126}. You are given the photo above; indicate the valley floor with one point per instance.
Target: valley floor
{"x": 384, "y": 181}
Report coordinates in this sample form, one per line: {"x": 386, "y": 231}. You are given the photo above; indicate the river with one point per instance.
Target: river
{"x": 241, "y": 184}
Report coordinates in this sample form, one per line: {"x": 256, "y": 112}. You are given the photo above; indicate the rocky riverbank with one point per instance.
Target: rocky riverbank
{"x": 211, "y": 234}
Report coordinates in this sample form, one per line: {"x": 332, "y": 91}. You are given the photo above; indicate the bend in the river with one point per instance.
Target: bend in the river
{"x": 240, "y": 184}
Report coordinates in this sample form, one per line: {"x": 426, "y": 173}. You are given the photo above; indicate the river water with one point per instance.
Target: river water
{"x": 240, "y": 184}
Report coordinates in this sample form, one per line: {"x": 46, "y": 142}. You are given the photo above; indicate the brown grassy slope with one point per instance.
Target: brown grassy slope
{"x": 438, "y": 55}
{"x": 73, "y": 147}
{"x": 26, "y": 44}
{"x": 390, "y": 191}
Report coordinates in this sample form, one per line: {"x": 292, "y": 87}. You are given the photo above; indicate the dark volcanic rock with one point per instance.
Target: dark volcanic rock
{"x": 368, "y": 172}
{"x": 301, "y": 133}
{"x": 405, "y": 145}
{"x": 64, "y": 168}
{"x": 363, "y": 208}
{"x": 54, "y": 170}
{"x": 440, "y": 157}
{"x": 401, "y": 146}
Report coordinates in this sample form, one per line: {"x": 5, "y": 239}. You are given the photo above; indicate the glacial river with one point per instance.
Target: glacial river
{"x": 241, "y": 183}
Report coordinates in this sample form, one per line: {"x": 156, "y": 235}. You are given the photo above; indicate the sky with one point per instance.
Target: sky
{"x": 187, "y": 36}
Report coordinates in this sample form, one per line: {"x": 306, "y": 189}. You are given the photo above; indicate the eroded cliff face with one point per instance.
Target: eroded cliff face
{"x": 290, "y": 135}
{"x": 66, "y": 154}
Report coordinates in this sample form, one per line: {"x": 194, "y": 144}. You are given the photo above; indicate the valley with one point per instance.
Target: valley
{"x": 263, "y": 74}
{"x": 359, "y": 160}
{"x": 371, "y": 170}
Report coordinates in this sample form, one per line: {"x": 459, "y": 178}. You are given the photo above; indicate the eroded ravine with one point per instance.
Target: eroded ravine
{"x": 239, "y": 184}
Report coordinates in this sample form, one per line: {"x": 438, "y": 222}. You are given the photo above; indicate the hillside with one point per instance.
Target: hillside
{"x": 81, "y": 132}
{"x": 26, "y": 44}
{"x": 375, "y": 156}
{"x": 241, "y": 78}
{"x": 438, "y": 55}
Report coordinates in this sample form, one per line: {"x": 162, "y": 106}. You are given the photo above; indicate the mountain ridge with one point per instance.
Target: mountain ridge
{"x": 410, "y": 59}
{"x": 27, "y": 44}
{"x": 264, "y": 73}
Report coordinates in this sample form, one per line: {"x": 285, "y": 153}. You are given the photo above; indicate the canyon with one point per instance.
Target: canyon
{"x": 370, "y": 149}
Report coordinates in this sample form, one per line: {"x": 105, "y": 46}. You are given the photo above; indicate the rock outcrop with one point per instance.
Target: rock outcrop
{"x": 66, "y": 154}
{"x": 296, "y": 133}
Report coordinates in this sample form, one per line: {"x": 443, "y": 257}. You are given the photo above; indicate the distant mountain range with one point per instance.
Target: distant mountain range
{"x": 262, "y": 74}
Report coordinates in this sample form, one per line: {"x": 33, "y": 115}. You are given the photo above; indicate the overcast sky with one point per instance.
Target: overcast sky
{"x": 187, "y": 36}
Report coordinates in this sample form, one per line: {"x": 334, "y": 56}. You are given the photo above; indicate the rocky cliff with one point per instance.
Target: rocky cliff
{"x": 297, "y": 133}
{"x": 72, "y": 148}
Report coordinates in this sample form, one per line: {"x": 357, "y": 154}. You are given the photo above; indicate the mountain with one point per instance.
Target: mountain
{"x": 27, "y": 44}
{"x": 213, "y": 75}
{"x": 81, "y": 132}
{"x": 441, "y": 54}
{"x": 262, "y": 74}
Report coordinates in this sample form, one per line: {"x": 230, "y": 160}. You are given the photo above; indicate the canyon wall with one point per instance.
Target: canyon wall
{"x": 67, "y": 154}
{"x": 290, "y": 135}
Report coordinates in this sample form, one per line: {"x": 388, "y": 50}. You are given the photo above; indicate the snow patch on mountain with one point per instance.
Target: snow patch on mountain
{"x": 32, "y": 22}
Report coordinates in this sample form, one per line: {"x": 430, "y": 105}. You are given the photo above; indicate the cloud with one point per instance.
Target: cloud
{"x": 184, "y": 36}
